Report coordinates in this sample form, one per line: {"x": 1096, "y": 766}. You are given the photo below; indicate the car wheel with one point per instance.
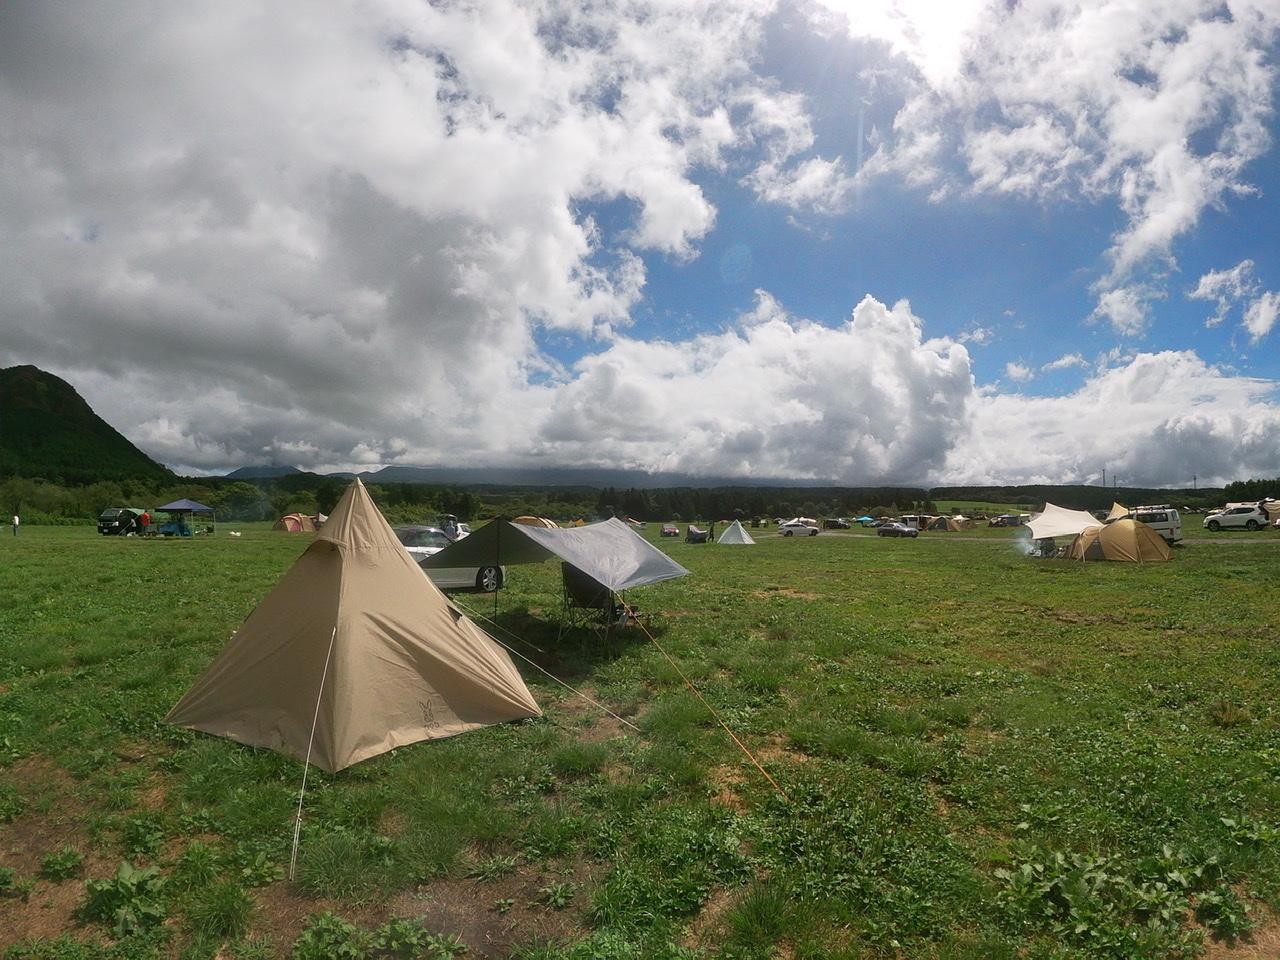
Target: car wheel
{"x": 786, "y": 533}
{"x": 1214, "y": 525}
{"x": 1251, "y": 525}
{"x": 488, "y": 579}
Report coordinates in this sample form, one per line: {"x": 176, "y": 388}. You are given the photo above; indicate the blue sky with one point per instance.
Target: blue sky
{"x": 884, "y": 241}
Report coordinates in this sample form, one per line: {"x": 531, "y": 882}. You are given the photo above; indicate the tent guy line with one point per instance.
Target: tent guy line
{"x": 509, "y": 649}
{"x": 631, "y": 613}
{"x": 306, "y": 766}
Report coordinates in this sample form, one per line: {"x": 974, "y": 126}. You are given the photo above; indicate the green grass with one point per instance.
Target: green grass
{"x": 983, "y": 755}
{"x": 967, "y": 507}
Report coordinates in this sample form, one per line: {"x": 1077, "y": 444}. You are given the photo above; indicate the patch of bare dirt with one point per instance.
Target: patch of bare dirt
{"x": 280, "y": 913}
{"x": 1262, "y": 944}
{"x": 590, "y": 723}
{"x": 727, "y": 781}
{"x": 49, "y": 910}
{"x": 703, "y": 930}
{"x": 470, "y": 910}
{"x": 1072, "y": 616}
{"x": 154, "y": 796}
{"x": 786, "y": 592}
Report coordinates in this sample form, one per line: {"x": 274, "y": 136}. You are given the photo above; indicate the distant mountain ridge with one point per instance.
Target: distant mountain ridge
{"x": 567, "y": 477}
{"x": 262, "y": 473}
{"x": 47, "y": 430}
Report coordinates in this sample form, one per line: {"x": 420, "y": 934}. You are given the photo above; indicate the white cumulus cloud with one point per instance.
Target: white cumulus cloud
{"x": 1260, "y": 317}
{"x": 1066, "y": 362}
{"x": 1157, "y": 107}
{"x": 239, "y": 229}
{"x": 1225, "y": 288}
{"x": 1158, "y": 418}
{"x": 776, "y": 396}
{"x": 1018, "y": 372}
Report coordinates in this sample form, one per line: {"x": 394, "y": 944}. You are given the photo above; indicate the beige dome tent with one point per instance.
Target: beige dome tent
{"x": 356, "y": 641}
{"x": 949, "y": 524}
{"x": 1121, "y": 540}
{"x": 295, "y": 523}
{"x": 736, "y": 533}
{"x": 537, "y": 522}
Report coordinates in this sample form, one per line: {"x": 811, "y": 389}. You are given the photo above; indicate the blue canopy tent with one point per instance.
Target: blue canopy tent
{"x": 864, "y": 520}
{"x": 180, "y": 509}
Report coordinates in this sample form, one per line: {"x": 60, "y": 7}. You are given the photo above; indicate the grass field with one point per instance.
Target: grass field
{"x": 950, "y": 507}
{"x": 983, "y": 756}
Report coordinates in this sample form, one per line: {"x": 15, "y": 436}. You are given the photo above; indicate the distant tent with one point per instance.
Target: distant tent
{"x": 1272, "y": 508}
{"x": 864, "y": 519}
{"x": 949, "y": 524}
{"x": 736, "y": 533}
{"x": 1055, "y": 521}
{"x": 355, "y": 639}
{"x": 537, "y": 522}
{"x": 1118, "y": 512}
{"x": 1126, "y": 540}
{"x": 638, "y": 524}
{"x": 295, "y": 523}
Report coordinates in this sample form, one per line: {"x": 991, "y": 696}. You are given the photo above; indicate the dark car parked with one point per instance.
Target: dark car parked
{"x": 118, "y": 521}
{"x": 895, "y": 529}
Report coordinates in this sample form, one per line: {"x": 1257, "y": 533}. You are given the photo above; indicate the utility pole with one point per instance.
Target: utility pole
{"x": 1194, "y": 478}
{"x": 1104, "y": 476}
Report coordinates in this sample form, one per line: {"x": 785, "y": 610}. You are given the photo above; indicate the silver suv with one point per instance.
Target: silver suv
{"x": 1247, "y": 516}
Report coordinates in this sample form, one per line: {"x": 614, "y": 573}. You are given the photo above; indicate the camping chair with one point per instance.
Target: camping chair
{"x": 589, "y": 603}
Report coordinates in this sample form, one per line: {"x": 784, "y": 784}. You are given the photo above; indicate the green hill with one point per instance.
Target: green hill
{"x": 47, "y": 430}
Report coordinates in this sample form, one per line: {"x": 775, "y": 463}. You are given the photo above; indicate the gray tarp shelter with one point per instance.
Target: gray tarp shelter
{"x": 609, "y": 552}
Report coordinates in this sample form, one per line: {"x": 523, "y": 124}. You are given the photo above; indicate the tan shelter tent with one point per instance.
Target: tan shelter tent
{"x": 295, "y": 523}
{"x": 356, "y": 639}
{"x": 1121, "y": 540}
{"x": 1118, "y": 511}
{"x": 949, "y": 524}
{"x": 537, "y": 522}
{"x": 736, "y": 533}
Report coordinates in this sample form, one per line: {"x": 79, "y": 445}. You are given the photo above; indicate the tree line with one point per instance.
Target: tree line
{"x": 44, "y": 501}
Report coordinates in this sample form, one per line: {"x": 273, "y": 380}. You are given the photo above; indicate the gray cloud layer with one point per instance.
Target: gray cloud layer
{"x": 333, "y": 239}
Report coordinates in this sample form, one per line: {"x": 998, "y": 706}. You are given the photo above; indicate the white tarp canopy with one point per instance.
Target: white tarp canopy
{"x": 736, "y": 533}
{"x": 609, "y": 552}
{"x": 1057, "y": 521}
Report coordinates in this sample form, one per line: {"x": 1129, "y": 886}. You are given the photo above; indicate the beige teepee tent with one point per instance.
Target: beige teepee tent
{"x": 1118, "y": 511}
{"x": 357, "y": 641}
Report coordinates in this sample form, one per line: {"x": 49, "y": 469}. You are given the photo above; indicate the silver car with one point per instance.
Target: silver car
{"x": 423, "y": 542}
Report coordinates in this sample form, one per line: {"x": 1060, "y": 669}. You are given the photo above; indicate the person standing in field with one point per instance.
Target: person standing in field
{"x": 16, "y": 521}
{"x": 145, "y": 520}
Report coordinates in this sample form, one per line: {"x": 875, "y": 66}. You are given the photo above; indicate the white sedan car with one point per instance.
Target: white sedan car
{"x": 423, "y": 542}
{"x": 794, "y": 528}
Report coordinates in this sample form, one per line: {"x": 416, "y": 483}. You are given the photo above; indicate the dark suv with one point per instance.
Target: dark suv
{"x": 117, "y": 521}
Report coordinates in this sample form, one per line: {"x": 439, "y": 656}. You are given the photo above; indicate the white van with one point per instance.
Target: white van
{"x": 1162, "y": 518}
